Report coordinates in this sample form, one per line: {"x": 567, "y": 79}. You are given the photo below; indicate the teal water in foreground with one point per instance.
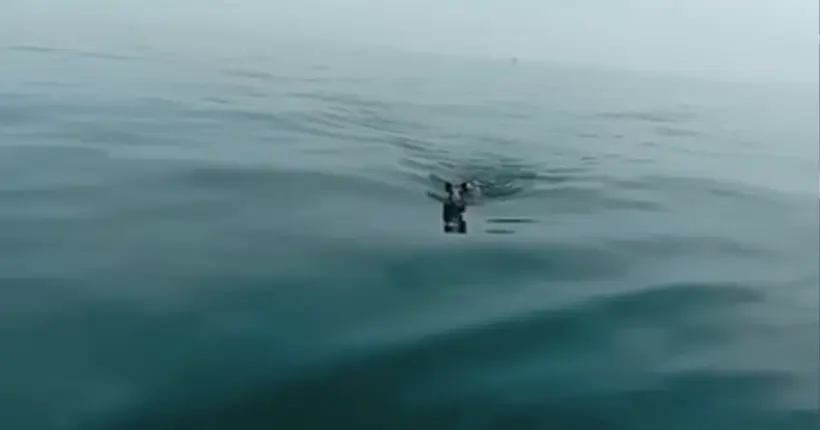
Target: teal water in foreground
{"x": 241, "y": 240}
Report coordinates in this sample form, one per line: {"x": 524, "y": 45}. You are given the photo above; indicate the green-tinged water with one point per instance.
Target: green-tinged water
{"x": 242, "y": 240}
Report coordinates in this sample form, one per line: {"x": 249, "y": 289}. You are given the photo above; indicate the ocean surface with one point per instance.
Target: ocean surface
{"x": 240, "y": 238}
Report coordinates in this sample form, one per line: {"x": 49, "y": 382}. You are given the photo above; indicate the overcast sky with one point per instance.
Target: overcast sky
{"x": 759, "y": 39}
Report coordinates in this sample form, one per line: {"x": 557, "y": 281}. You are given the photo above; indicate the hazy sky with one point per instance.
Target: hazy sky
{"x": 762, "y": 39}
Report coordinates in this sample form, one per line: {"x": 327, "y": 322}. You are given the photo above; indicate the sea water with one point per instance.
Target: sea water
{"x": 242, "y": 239}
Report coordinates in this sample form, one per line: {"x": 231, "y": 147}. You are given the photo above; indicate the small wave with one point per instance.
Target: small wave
{"x": 658, "y": 116}
{"x": 412, "y": 382}
{"x": 104, "y": 55}
{"x": 343, "y": 99}
{"x": 499, "y": 231}
{"x": 252, "y": 74}
{"x": 588, "y": 135}
{"x": 75, "y": 52}
{"x": 681, "y": 186}
{"x": 217, "y": 100}
{"x": 676, "y": 132}
{"x": 33, "y": 49}
{"x": 511, "y": 220}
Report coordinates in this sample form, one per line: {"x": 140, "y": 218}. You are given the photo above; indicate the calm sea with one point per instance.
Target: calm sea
{"x": 241, "y": 239}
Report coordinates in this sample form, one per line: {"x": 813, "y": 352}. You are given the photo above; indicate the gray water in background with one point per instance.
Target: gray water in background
{"x": 241, "y": 240}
